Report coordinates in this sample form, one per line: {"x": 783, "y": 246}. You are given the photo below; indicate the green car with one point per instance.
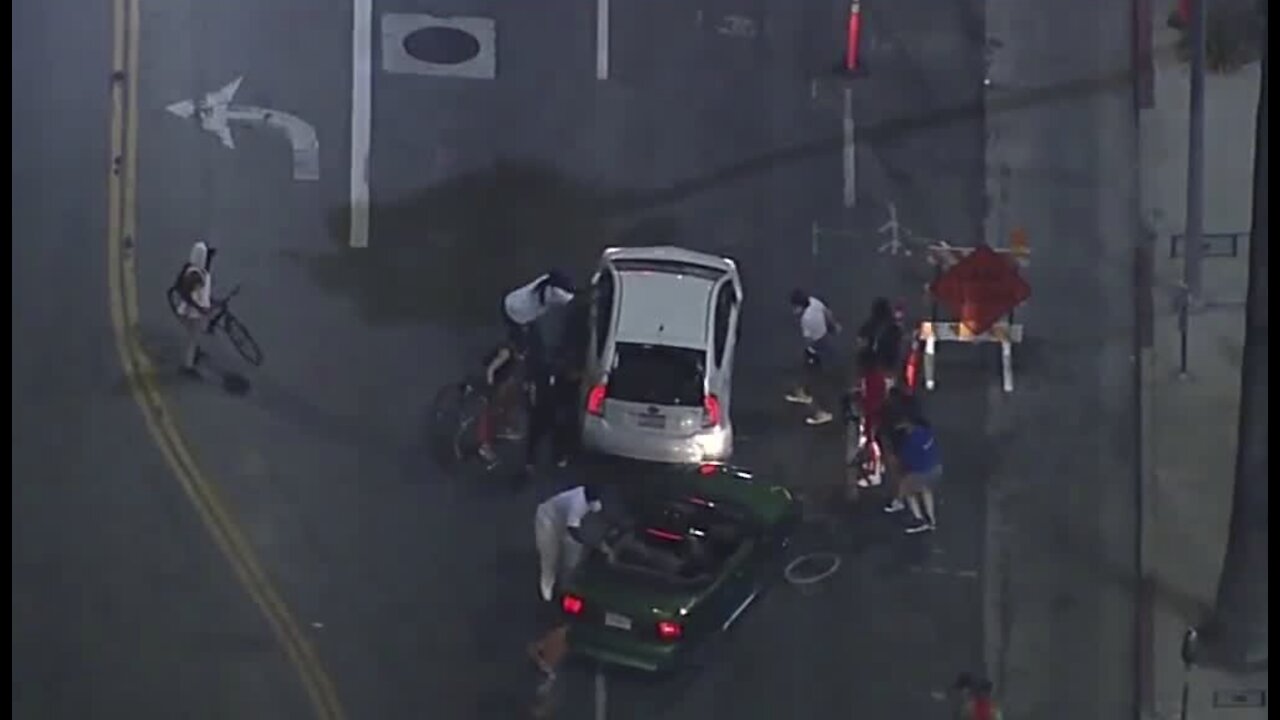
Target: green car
{"x": 697, "y": 547}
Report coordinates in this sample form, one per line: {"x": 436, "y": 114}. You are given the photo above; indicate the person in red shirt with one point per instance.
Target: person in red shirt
{"x": 869, "y": 394}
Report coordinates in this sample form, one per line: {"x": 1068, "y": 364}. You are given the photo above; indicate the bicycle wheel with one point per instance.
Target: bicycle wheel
{"x": 242, "y": 340}
{"x": 466, "y": 433}
{"x": 445, "y": 408}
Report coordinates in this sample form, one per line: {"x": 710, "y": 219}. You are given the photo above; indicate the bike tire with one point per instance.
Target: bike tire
{"x": 466, "y": 442}
{"x": 445, "y": 407}
{"x": 442, "y": 422}
{"x": 242, "y": 340}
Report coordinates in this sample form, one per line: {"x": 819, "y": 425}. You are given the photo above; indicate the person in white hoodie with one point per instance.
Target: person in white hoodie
{"x": 195, "y": 304}
{"x": 525, "y": 305}
{"x": 557, "y": 525}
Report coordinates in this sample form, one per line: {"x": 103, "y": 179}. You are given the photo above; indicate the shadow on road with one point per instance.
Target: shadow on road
{"x": 444, "y": 253}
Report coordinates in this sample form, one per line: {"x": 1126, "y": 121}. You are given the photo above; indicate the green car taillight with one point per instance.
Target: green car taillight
{"x": 669, "y": 630}
{"x": 572, "y": 604}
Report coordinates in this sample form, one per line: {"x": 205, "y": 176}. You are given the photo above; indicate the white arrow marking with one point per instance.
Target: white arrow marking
{"x": 216, "y": 113}
{"x": 895, "y": 232}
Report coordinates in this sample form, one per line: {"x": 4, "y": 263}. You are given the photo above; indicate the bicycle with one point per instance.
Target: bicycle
{"x": 465, "y": 414}
{"x": 223, "y": 319}
{"x": 864, "y": 461}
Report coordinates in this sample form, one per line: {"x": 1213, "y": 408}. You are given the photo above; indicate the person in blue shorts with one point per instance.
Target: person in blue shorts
{"x": 919, "y": 469}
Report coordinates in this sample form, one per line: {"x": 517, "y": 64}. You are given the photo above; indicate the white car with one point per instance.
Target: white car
{"x": 659, "y": 366}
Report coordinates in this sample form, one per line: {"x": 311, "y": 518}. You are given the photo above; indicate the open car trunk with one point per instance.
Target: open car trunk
{"x": 666, "y": 562}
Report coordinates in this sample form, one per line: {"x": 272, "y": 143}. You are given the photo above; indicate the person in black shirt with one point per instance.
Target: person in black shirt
{"x": 554, "y": 414}
{"x": 881, "y": 335}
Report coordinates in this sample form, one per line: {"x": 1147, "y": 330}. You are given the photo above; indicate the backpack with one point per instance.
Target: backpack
{"x": 182, "y": 273}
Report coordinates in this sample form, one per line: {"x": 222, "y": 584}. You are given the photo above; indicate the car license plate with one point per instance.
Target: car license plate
{"x": 622, "y": 622}
{"x": 656, "y": 422}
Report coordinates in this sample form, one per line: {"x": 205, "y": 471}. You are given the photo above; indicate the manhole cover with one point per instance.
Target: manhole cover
{"x": 442, "y": 45}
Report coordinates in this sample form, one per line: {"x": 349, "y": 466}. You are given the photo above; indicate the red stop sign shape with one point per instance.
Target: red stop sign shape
{"x": 981, "y": 288}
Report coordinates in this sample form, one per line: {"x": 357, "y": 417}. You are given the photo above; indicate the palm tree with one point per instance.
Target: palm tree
{"x": 1236, "y": 632}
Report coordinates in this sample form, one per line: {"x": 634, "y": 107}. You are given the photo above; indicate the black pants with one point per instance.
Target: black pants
{"x": 552, "y": 418}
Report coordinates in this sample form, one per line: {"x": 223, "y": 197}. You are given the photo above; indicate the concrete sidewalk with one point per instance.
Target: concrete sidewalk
{"x": 1190, "y": 420}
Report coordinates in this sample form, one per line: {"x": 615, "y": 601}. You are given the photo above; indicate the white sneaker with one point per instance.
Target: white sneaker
{"x": 799, "y": 398}
{"x": 895, "y": 505}
{"x": 822, "y": 417}
{"x": 547, "y": 586}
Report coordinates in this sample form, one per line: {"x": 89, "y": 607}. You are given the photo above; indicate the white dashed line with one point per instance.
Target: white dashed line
{"x": 602, "y": 696}
{"x": 602, "y": 39}
{"x": 361, "y": 118}
{"x": 850, "y": 153}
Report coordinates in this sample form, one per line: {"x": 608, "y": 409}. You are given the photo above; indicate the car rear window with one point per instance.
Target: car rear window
{"x": 657, "y": 374}
{"x": 685, "y": 541}
{"x": 674, "y": 267}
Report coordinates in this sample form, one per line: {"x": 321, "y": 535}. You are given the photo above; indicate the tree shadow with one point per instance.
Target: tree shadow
{"x": 446, "y": 253}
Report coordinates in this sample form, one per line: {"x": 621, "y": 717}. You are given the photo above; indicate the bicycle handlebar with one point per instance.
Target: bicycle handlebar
{"x": 226, "y": 298}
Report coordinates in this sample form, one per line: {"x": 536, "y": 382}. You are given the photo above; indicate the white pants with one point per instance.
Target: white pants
{"x": 558, "y": 554}
{"x": 195, "y": 327}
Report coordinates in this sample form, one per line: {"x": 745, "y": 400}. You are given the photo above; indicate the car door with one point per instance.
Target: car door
{"x": 736, "y": 591}
{"x": 601, "y": 320}
{"x": 724, "y": 341}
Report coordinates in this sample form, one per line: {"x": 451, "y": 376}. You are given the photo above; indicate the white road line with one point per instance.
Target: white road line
{"x": 361, "y": 118}
{"x": 602, "y": 696}
{"x": 850, "y": 153}
{"x": 602, "y": 39}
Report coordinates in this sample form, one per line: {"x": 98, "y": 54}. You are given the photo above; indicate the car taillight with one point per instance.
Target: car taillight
{"x": 669, "y": 630}
{"x": 595, "y": 399}
{"x": 710, "y": 411}
{"x": 571, "y": 604}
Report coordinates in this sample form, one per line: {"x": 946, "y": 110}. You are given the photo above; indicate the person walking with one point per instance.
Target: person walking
{"x": 557, "y": 528}
{"x": 918, "y": 469}
{"x": 867, "y": 402}
{"x": 881, "y": 335}
{"x": 818, "y": 325}
{"x": 547, "y": 653}
{"x": 194, "y": 286}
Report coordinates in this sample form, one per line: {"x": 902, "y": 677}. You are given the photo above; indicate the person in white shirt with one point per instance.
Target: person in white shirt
{"x": 817, "y": 327}
{"x": 556, "y": 528}
{"x": 522, "y": 307}
{"x": 195, "y": 305}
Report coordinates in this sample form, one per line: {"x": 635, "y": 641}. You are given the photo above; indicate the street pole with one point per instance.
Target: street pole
{"x": 1193, "y": 237}
{"x": 1236, "y": 634}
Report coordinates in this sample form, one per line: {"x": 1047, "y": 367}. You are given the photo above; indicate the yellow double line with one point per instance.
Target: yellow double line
{"x": 140, "y": 373}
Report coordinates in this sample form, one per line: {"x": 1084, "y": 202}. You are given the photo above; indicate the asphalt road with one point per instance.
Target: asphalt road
{"x": 1067, "y": 482}
{"x": 418, "y": 590}
{"x": 122, "y": 606}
